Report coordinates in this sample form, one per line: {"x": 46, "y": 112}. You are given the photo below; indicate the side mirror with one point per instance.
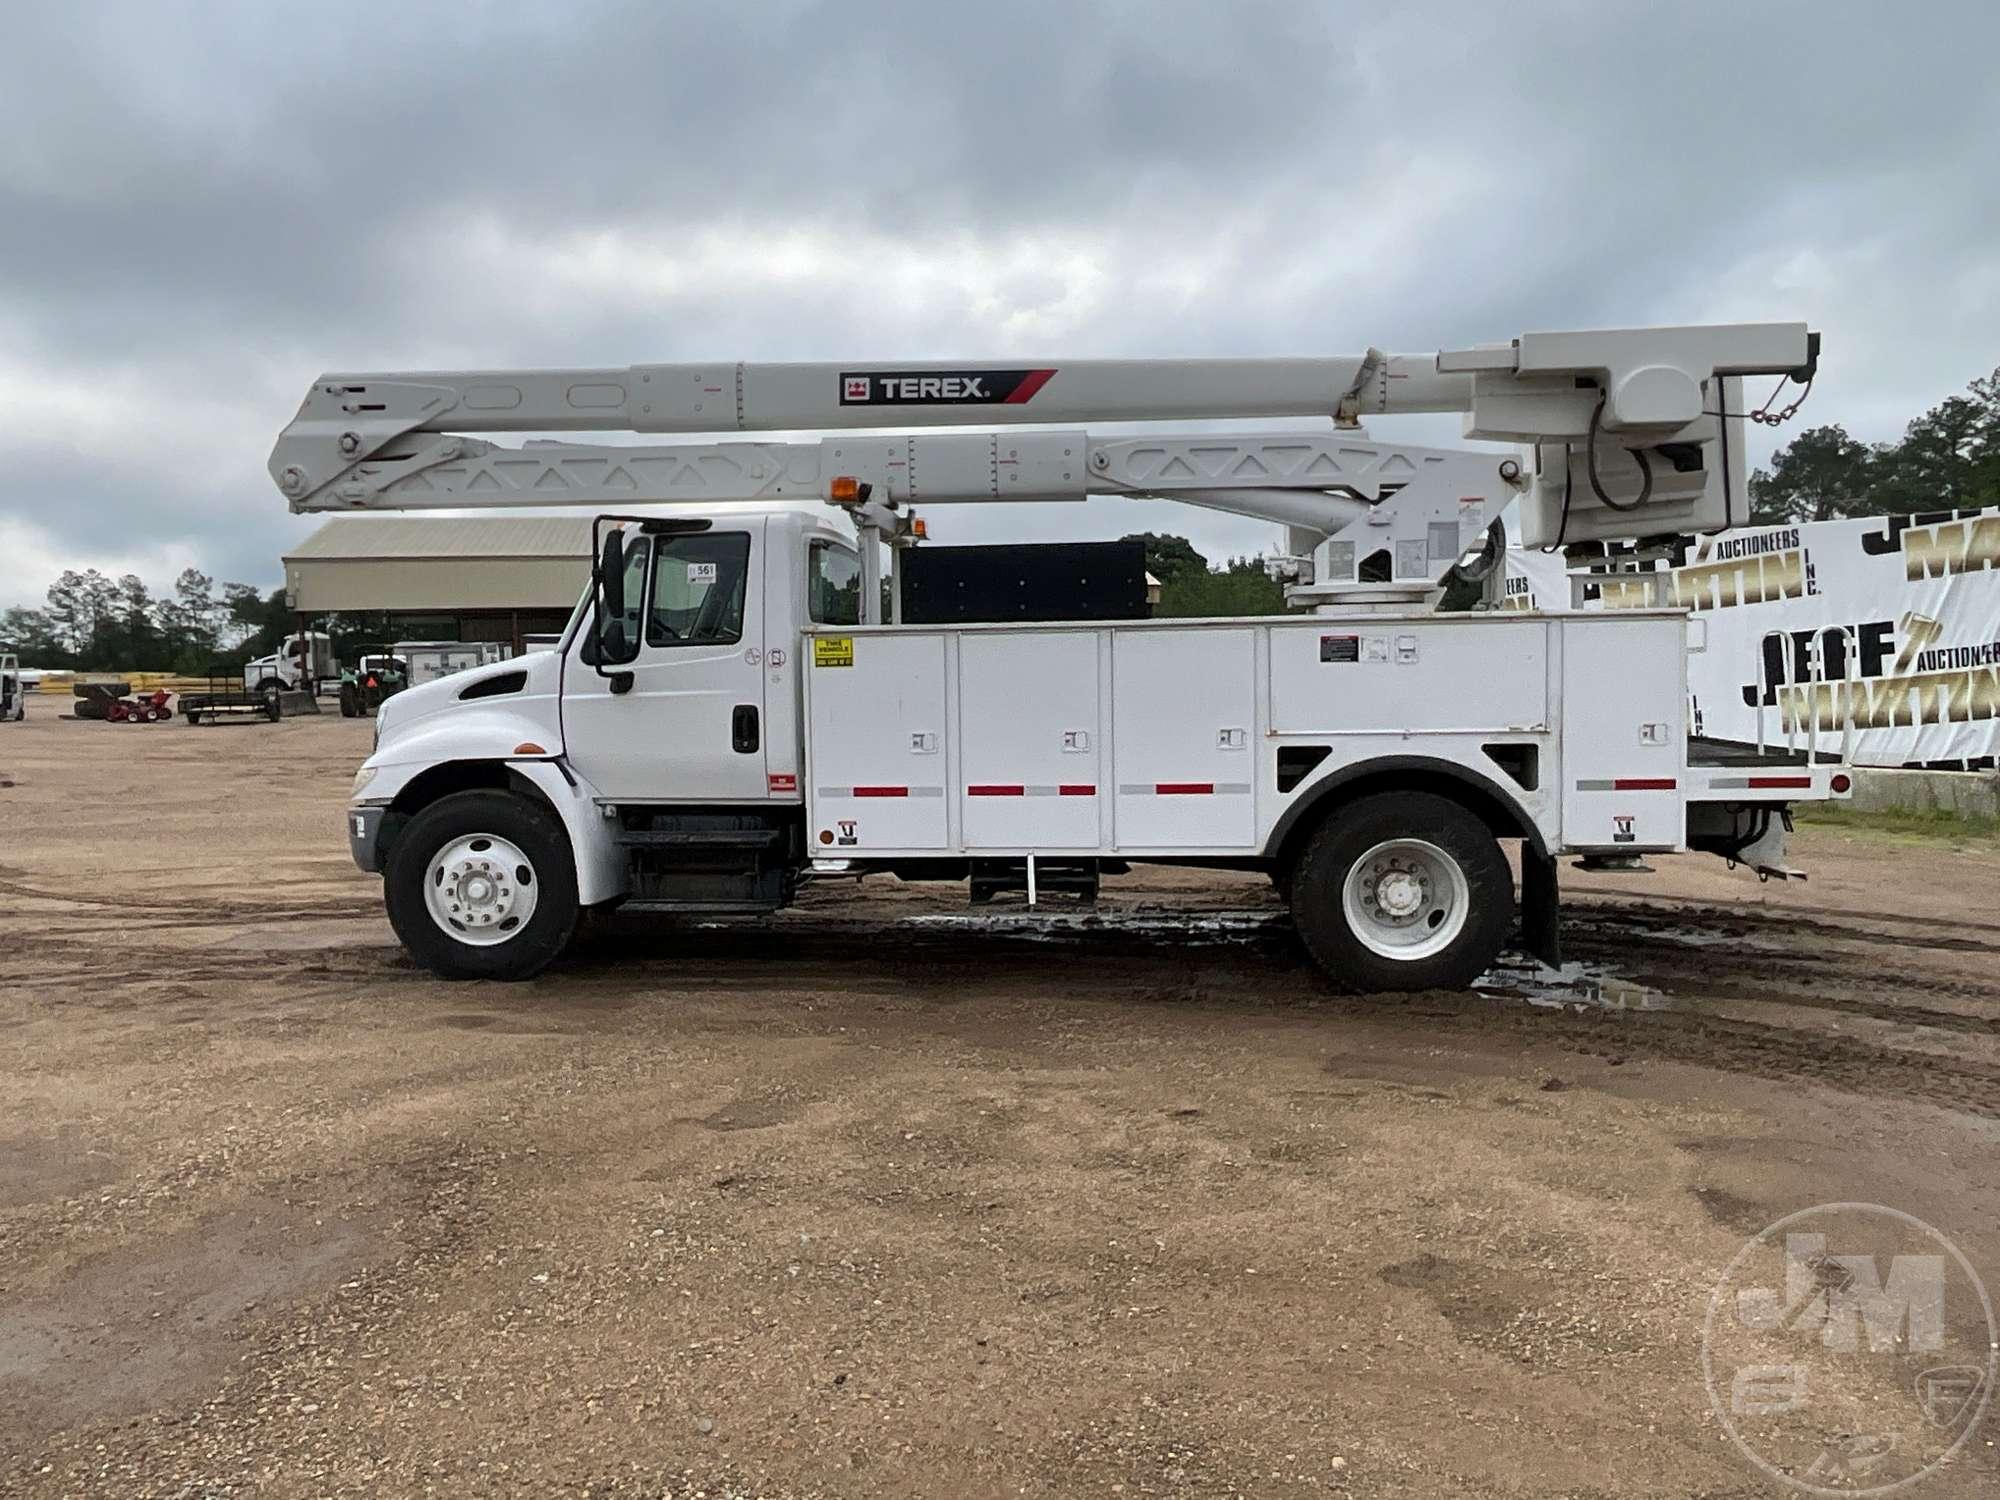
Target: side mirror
{"x": 608, "y": 646}
{"x": 611, "y": 575}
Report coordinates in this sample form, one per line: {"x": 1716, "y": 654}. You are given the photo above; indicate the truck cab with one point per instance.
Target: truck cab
{"x": 12, "y": 702}
{"x": 659, "y": 747}
{"x": 302, "y": 663}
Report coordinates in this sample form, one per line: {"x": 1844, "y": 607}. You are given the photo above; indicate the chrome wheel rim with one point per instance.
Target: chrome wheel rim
{"x": 481, "y": 889}
{"x": 1406, "y": 899}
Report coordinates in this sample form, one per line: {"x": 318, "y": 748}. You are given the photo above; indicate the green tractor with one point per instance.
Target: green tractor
{"x": 371, "y": 679}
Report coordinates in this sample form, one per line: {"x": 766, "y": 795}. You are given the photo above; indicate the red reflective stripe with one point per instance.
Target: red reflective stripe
{"x": 996, "y": 791}
{"x": 1078, "y": 790}
{"x": 881, "y": 791}
{"x": 1781, "y": 781}
{"x": 1644, "y": 784}
{"x": 1184, "y": 788}
{"x": 1031, "y": 382}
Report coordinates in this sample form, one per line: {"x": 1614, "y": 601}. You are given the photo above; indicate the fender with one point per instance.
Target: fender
{"x": 437, "y": 726}
{"x": 1494, "y": 795}
{"x": 600, "y": 863}
{"x": 600, "y": 866}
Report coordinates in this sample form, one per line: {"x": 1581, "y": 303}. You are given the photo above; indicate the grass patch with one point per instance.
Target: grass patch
{"x": 1903, "y": 825}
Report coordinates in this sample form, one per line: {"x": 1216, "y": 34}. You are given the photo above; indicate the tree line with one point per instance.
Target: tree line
{"x": 1947, "y": 459}
{"x": 94, "y": 622}
{"x": 1191, "y": 589}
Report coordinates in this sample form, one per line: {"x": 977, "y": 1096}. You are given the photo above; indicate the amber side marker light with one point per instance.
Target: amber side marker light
{"x": 529, "y": 747}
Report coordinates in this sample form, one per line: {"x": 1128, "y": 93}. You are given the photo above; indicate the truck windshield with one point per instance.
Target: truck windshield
{"x": 699, "y": 584}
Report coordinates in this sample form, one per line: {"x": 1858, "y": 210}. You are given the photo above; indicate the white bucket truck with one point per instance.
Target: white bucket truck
{"x": 728, "y": 713}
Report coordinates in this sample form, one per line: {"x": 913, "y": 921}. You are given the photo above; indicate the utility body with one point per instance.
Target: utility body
{"x": 735, "y": 710}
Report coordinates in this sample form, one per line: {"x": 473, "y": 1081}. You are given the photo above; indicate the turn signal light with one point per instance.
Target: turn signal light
{"x": 529, "y": 747}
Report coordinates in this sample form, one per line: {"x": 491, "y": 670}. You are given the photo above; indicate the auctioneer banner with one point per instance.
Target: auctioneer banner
{"x": 1905, "y": 611}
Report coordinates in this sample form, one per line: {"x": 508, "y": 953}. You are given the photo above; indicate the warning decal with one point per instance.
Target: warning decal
{"x": 833, "y": 650}
{"x": 1340, "y": 648}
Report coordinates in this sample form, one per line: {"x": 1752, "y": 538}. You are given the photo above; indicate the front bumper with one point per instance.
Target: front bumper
{"x": 364, "y": 837}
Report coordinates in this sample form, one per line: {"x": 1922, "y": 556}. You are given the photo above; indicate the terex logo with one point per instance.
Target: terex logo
{"x": 934, "y": 388}
{"x": 940, "y": 387}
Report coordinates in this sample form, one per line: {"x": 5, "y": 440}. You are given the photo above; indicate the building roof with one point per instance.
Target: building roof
{"x": 365, "y": 538}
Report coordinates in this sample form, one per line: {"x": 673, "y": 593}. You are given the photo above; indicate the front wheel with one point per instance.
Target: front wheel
{"x": 1402, "y": 891}
{"x": 481, "y": 885}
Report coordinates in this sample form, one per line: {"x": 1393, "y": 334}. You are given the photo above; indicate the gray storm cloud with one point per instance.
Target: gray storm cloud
{"x": 202, "y": 207}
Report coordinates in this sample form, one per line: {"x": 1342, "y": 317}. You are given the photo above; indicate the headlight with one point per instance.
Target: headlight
{"x": 361, "y": 779}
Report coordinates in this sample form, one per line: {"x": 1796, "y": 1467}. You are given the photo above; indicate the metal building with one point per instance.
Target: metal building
{"x": 498, "y": 578}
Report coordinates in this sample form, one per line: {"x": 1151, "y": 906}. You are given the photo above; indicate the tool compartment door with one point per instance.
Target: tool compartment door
{"x": 875, "y": 750}
{"x": 1028, "y": 740}
{"x": 1624, "y": 732}
{"x": 1183, "y": 724}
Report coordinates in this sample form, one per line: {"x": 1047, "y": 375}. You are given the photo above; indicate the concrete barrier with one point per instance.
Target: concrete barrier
{"x": 1966, "y": 793}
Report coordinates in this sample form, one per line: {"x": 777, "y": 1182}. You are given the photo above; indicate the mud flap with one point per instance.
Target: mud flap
{"x": 1541, "y": 907}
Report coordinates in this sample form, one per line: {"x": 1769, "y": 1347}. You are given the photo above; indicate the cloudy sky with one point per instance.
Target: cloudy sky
{"x": 202, "y": 206}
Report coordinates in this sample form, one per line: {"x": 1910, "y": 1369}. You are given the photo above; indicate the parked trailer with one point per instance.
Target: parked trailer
{"x": 729, "y": 716}
{"x": 223, "y": 696}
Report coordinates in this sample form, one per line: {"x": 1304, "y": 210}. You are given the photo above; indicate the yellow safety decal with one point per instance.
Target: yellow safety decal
{"x": 833, "y": 650}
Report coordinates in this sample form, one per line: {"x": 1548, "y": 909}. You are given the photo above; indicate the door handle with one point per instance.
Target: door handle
{"x": 743, "y": 729}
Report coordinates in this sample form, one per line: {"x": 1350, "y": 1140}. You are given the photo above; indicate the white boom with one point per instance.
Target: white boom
{"x": 1656, "y": 414}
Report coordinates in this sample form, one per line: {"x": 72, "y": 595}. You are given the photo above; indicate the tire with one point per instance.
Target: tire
{"x": 420, "y": 885}
{"x": 350, "y": 705}
{"x": 1430, "y": 858}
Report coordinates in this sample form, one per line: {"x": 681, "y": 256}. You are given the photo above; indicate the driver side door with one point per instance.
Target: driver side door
{"x": 691, "y": 727}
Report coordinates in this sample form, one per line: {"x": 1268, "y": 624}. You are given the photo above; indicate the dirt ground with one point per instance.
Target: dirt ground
{"x": 880, "y": 1197}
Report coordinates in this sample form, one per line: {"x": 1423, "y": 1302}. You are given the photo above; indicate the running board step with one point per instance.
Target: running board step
{"x": 696, "y": 907}
{"x": 699, "y": 838}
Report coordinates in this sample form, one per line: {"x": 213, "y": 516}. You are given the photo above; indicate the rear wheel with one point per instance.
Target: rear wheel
{"x": 481, "y": 885}
{"x": 1402, "y": 891}
{"x": 350, "y": 701}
